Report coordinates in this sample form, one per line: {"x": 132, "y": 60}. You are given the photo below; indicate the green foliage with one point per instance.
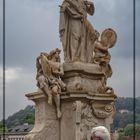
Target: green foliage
{"x": 1, "y": 124}
{"x": 30, "y": 118}
{"x": 122, "y": 136}
{"x": 137, "y": 130}
{"x": 128, "y": 131}
{"x": 21, "y": 117}
{"x": 122, "y": 119}
{"x": 137, "y": 117}
{"x": 137, "y": 102}
{"x": 124, "y": 103}
{"x": 2, "y": 128}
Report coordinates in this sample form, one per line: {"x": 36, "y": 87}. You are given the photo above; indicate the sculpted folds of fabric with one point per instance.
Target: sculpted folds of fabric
{"x": 76, "y": 32}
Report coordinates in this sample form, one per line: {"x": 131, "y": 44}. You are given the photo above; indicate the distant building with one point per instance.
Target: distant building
{"x": 124, "y": 111}
{"x": 17, "y": 133}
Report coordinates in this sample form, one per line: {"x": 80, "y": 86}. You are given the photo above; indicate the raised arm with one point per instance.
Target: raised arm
{"x": 99, "y": 46}
{"x": 90, "y": 7}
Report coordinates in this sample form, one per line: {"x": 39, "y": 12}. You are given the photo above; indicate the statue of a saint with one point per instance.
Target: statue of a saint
{"x": 76, "y": 33}
{"x": 49, "y": 71}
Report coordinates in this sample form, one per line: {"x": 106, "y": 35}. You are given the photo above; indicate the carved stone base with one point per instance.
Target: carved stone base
{"x": 83, "y": 77}
{"x": 46, "y": 123}
{"x": 80, "y": 112}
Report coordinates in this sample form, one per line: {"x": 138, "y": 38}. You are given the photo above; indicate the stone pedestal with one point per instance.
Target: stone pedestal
{"x": 83, "y": 77}
{"x": 83, "y": 106}
{"x": 80, "y": 112}
{"x": 46, "y": 123}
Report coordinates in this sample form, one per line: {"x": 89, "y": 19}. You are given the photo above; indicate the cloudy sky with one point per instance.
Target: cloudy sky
{"x": 32, "y": 27}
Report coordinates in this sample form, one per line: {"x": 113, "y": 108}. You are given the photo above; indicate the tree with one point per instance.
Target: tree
{"x": 122, "y": 119}
{"x": 122, "y": 136}
{"x": 137, "y": 130}
{"x": 2, "y": 128}
{"x": 30, "y": 118}
{"x": 129, "y": 130}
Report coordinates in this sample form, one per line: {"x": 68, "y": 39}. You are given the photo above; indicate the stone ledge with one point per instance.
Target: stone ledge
{"x": 82, "y": 67}
{"x": 75, "y": 95}
{"x": 84, "y": 77}
{"x": 35, "y": 95}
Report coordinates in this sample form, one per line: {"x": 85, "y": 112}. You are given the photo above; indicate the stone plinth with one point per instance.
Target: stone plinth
{"x": 46, "y": 123}
{"x": 83, "y": 77}
{"x": 80, "y": 112}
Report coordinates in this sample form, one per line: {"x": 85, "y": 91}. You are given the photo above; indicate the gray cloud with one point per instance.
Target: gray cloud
{"x": 32, "y": 27}
{"x": 122, "y": 78}
{"x": 15, "y": 90}
{"x": 1, "y": 29}
{"x": 1, "y": 55}
{"x": 18, "y": 83}
{"x": 120, "y": 19}
{"x": 137, "y": 16}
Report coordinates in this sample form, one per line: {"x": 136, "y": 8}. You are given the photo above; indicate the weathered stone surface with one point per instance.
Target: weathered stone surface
{"x": 67, "y": 121}
{"x": 76, "y": 32}
{"x": 74, "y": 97}
{"x": 83, "y": 77}
{"x": 46, "y": 123}
{"x": 49, "y": 71}
{"x": 80, "y": 112}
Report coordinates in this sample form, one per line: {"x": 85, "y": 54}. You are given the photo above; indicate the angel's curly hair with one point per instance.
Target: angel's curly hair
{"x": 53, "y": 52}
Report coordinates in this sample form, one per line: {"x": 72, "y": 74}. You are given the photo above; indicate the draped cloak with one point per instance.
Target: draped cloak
{"x": 76, "y": 32}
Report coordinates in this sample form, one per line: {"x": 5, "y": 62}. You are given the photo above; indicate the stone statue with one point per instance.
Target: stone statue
{"x": 86, "y": 100}
{"x": 76, "y": 33}
{"x": 49, "y": 71}
{"x": 101, "y": 55}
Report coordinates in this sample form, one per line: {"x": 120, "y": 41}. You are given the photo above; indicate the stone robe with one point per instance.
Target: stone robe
{"x": 76, "y": 32}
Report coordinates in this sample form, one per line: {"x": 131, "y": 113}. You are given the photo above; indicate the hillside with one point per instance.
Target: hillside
{"x": 124, "y": 114}
{"x": 127, "y": 103}
{"x": 23, "y": 116}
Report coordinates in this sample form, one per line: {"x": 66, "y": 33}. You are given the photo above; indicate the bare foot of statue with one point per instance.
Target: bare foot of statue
{"x": 59, "y": 114}
{"x": 50, "y": 100}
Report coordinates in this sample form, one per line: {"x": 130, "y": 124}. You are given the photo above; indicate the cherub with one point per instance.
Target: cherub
{"x": 49, "y": 72}
{"x": 101, "y": 54}
{"x": 102, "y": 57}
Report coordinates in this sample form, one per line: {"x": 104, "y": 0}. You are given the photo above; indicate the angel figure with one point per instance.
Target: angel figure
{"x": 49, "y": 72}
{"x": 102, "y": 57}
{"x": 101, "y": 54}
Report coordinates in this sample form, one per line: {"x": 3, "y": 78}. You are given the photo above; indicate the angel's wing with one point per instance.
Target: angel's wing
{"x": 46, "y": 68}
